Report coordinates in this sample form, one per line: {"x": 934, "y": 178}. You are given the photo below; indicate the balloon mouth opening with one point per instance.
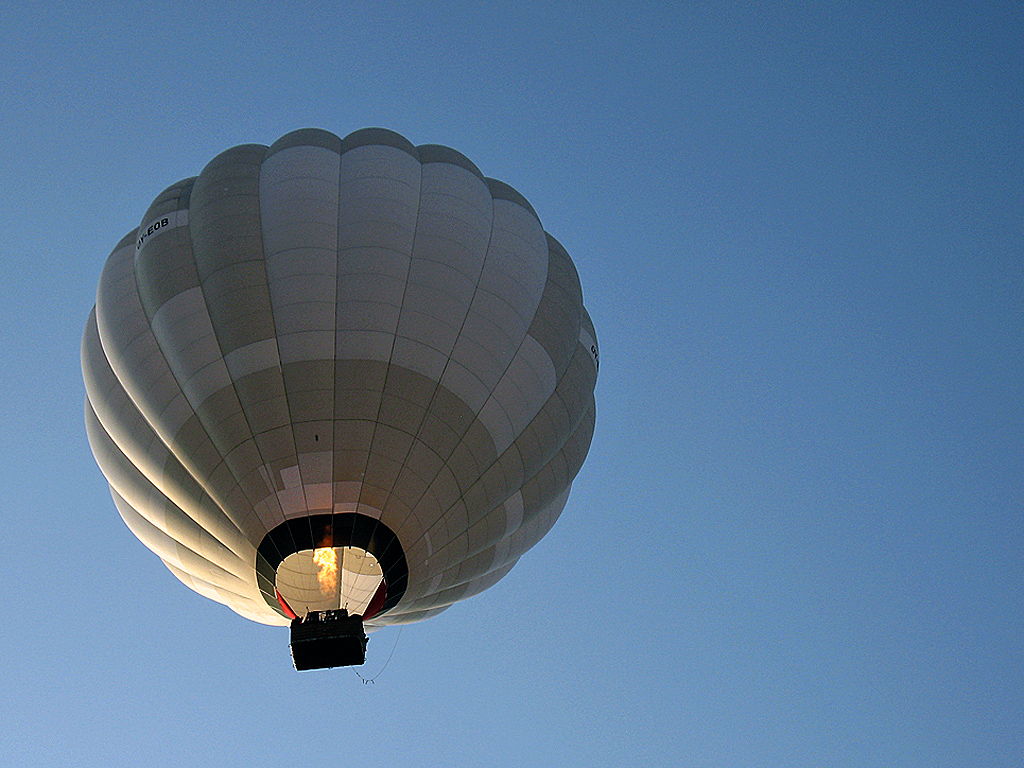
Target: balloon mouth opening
{"x": 329, "y": 579}
{"x": 330, "y": 562}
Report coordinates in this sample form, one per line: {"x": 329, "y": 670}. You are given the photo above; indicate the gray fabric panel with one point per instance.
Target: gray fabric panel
{"x": 449, "y": 594}
{"x": 174, "y": 198}
{"x": 378, "y": 137}
{"x": 249, "y": 609}
{"x": 558, "y": 315}
{"x": 452, "y": 235}
{"x": 149, "y": 502}
{"x": 163, "y": 264}
{"x": 119, "y": 415}
{"x": 545, "y": 496}
{"x": 139, "y": 364}
{"x": 555, "y": 443}
{"x": 377, "y": 221}
{"x": 171, "y": 550}
{"x": 358, "y": 387}
{"x": 124, "y": 328}
{"x": 226, "y": 236}
{"x": 526, "y": 384}
{"x": 469, "y": 459}
{"x": 299, "y": 190}
{"x": 444, "y": 424}
{"x": 558, "y": 418}
{"x": 588, "y": 325}
{"x": 165, "y": 268}
{"x": 239, "y": 302}
{"x": 502, "y": 191}
{"x": 457, "y": 584}
{"x": 307, "y": 137}
{"x": 135, "y": 438}
{"x": 510, "y": 288}
{"x": 578, "y": 445}
{"x": 438, "y": 153}
{"x": 310, "y": 391}
{"x": 351, "y": 441}
{"x": 254, "y": 434}
{"x": 299, "y": 213}
{"x": 538, "y": 524}
{"x": 224, "y": 212}
{"x": 397, "y": 616}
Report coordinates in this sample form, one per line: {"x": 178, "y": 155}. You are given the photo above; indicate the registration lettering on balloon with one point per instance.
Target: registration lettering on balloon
{"x": 159, "y": 225}
{"x": 590, "y": 344}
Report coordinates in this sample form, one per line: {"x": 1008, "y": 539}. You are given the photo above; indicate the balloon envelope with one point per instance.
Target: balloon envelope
{"x": 339, "y": 373}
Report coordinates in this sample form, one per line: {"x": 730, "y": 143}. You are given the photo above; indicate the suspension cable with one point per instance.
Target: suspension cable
{"x": 369, "y": 680}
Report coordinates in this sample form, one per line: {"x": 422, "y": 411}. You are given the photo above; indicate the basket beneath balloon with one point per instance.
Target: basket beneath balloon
{"x": 325, "y": 639}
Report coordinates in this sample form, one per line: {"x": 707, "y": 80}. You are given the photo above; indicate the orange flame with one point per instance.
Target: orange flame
{"x": 327, "y": 561}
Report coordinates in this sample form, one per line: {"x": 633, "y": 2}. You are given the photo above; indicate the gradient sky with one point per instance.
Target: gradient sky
{"x": 798, "y": 539}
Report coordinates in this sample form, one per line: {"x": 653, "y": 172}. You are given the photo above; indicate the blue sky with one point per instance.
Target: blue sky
{"x": 798, "y": 537}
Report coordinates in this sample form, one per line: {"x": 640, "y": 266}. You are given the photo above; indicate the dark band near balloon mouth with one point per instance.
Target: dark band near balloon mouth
{"x": 345, "y": 529}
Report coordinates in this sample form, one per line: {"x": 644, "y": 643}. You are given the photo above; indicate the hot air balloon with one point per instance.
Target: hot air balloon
{"x": 339, "y": 383}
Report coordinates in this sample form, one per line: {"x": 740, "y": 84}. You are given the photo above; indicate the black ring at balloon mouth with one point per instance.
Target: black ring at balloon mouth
{"x": 344, "y": 529}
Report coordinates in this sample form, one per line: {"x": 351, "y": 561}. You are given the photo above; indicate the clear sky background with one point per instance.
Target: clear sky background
{"x": 798, "y": 539}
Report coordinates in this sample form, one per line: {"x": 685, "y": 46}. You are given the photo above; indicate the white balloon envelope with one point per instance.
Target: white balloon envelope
{"x": 339, "y": 374}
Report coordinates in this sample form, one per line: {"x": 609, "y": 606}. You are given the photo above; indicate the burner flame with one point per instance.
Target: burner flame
{"x": 326, "y": 559}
